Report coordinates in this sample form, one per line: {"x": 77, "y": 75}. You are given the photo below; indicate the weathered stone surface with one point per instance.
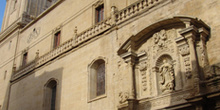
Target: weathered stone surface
{"x": 158, "y": 54}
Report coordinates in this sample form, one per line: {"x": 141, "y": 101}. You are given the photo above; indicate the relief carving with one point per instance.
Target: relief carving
{"x": 143, "y": 68}
{"x": 187, "y": 67}
{"x": 162, "y": 41}
{"x": 159, "y": 38}
{"x": 208, "y": 70}
{"x": 184, "y": 50}
{"x": 123, "y": 96}
{"x": 203, "y": 56}
{"x": 33, "y": 35}
{"x": 212, "y": 71}
{"x": 166, "y": 72}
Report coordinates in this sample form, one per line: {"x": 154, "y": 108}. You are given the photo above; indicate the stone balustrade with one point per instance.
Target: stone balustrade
{"x": 24, "y": 70}
{"x": 135, "y": 8}
{"x": 120, "y": 16}
{"x": 93, "y": 31}
{"x": 43, "y": 59}
{"x": 55, "y": 52}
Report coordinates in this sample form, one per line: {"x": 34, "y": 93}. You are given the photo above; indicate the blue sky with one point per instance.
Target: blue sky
{"x": 2, "y": 9}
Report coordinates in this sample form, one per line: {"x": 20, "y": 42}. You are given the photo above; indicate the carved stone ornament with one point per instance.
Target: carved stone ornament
{"x": 162, "y": 42}
{"x": 123, "y": 96}
{"x": 188, "y": 67}
{"x": 166, "y": 72}
{"x": 184, "y": 50}
{"x": 143, "y": 68}
{"x": 58, "y": 28}
{"x": 203, "y": 53}
{"x": 159, "y": 38}
{"x": 33, "y": 35}
{"x": 212, "y": 71}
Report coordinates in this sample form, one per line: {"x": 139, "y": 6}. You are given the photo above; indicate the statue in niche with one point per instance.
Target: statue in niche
{"x": 167, "y": 75}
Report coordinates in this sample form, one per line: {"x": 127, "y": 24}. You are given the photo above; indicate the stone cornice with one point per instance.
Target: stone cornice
{"x": 42, "y": 14}
{"x": 82, "y": 38}
{"x": 4, "y": 34}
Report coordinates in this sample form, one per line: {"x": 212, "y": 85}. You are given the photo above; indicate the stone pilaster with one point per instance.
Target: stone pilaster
{"x": 130, "y": 59}
{"x": 189, "y": 35}
{"x": 203, "y": 58}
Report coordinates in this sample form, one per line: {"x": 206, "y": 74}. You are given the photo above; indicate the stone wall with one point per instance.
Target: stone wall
{"x": 159, "y": 54}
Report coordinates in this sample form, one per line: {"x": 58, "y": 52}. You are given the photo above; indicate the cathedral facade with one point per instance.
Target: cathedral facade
{"x": 110, "y": 55}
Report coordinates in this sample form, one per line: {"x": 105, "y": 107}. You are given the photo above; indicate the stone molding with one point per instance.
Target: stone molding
{"x": 90, "y": 33}
{"x": 164, "y": 43}
{"x": 81, "y": 37}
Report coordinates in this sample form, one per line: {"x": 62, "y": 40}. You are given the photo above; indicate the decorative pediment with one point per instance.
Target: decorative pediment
{"x": 137, "y": 40}
{"x": 168, "y": 55}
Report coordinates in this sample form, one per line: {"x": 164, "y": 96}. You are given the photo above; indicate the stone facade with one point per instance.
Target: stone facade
{"x": 140, "y": 55}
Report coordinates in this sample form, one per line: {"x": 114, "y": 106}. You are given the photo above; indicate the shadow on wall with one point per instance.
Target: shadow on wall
{"x": 36, "y": 91}
{"x": 171, "y": 66}
{"x": 201, "y": 95}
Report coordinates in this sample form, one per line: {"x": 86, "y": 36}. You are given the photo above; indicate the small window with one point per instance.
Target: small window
{"x": 24, "y": 61}
{"x": 97, "y": 79}
{"x": 99, "y": 11}
{"x": 50, "y": 95}
{"x": 56, "y": 40}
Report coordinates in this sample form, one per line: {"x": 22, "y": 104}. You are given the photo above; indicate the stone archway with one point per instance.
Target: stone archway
{"x": 167, "y": 51}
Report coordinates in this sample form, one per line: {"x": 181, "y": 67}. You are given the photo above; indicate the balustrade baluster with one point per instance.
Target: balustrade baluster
{"x": 142, "y": 4}
{"x": 87, "y": 33}
{"x": 138, "y": 6}
{"x": 124, "y": 13}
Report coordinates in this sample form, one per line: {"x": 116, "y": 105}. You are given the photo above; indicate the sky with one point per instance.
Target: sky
{"x": 2, "y": 9}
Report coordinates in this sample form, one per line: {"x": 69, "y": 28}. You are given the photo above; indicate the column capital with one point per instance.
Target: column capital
{"x": 189, "y": 32}
{"x": 129, "y": 57}
{"x": 203, "y": 34}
